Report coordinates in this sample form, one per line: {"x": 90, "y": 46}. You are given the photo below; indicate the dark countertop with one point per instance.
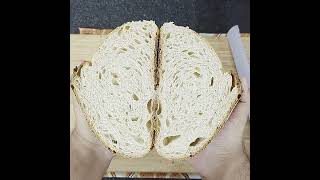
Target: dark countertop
{"x": 208, "y": 16}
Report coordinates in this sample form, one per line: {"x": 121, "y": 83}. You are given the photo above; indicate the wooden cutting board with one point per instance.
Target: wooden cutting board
{"x": 83, "y": 46}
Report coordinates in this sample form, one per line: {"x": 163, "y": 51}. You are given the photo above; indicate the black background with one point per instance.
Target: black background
{"x": 215, "y": 16}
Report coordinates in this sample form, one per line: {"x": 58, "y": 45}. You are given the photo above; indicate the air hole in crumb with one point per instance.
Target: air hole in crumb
{"x": 168, "y": 36}
{"x": 196, "y": 141}
{"x": 170, "y": 139}
{"x": 114, "y": 141}
{"x": 72, "y": 87}
{"x": 144, "y": 28}
{"x": 139, "y": 140}
{"x": 210, "y": 123}
{"x": 131, "y": 47}
{"x": 137, "y": 41}
{"x": 211, "y": 82}
{"x": 99, "y": 75}
{"x": 149, "y": 105}
{"x": 200, "y": 113}
{"x": 148, "y": 124}
{"x": 114, "y": 75}
{"x": 167, "y": 122}
{"x": 175, "y": 78}
{"x": 124, "y": 49}
{"x": 239, "y": 96}
{"x": 103, "y": 71}
{"x": 127, "y": 27}
{"x": 134, "y": 119}
{"x": 130, "y": 107}
{"x": 199, "y": 95}
{"x": 190, "y": 53}
{"x": 119, "y": 32}
{"x": 135, "y": 97}
{"x": 148, "y": 56}
{"x": 184, "y": 50}
{"x": 146, "y": 41}
{"x": 109, "y": 115}
{"x": 137, "y": 71}
{"x": 127, "y": 68}
{"x": 159, "y": 108}
{"x": 115, "y": 82}
{"x": 158, "y": 123}
{"x": 196, "y": 74}
{"x": 140, "y": 63}
{"x": 126, "y": 113}
{"x": 150, "y": 36}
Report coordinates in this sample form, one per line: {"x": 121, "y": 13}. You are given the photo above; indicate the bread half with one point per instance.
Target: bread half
{"x": 115, "y": 90}
{"x": 195, "y": 96}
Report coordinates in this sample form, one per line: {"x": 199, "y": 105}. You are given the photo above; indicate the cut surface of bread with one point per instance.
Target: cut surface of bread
{"x": 128, "y": 96}
{"x": 195, "y": 96}
{"x": 116, "y": 88}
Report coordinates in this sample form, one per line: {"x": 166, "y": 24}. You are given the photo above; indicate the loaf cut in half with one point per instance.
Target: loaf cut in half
{"x": 134, "y": 99}
{"x": 195, "y": 95}
{"x": 115, "y": 90}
